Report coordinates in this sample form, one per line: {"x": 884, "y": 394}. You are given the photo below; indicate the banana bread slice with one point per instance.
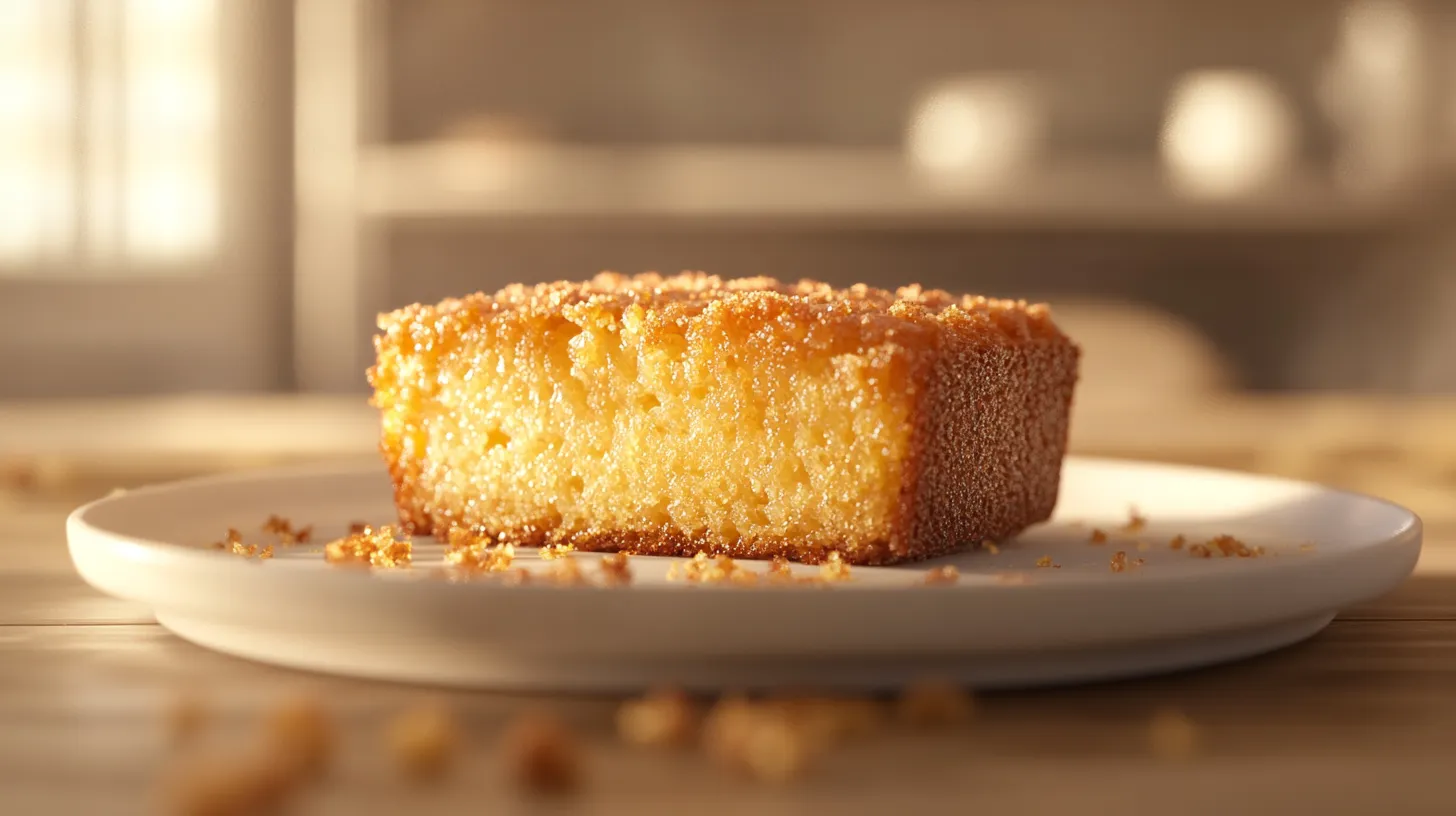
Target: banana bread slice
{"x": 668, "y": 415}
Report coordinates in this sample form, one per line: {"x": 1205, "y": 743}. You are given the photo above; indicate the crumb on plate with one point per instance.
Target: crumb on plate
{"x": 1135, "y": 521}
{"x": 942, "y": 576}
{"x": 1098, "y": 537}
{"x": 615, "y": 569}
{"x": 834, "y": 568}
{"x": 377, "y": 548}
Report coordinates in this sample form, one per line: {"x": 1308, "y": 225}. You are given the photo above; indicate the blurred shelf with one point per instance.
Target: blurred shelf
{"x": 794, "y": 187}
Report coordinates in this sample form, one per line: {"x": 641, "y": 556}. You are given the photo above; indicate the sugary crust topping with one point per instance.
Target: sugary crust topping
{"x": 664, "y": 302}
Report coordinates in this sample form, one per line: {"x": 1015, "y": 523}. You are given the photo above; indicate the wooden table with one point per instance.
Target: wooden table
{"x": 1360, "y": 720}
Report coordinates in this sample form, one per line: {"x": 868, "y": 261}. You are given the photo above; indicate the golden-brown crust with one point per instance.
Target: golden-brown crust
{"x": 992, "y": 384}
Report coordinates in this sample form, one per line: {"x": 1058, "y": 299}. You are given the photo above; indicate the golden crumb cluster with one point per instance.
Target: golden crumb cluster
{"x": 370, "y": 547}
{"x": 1225, "y": 546}
{"x": 945, "y": 575}
{"x": 285, "y": 531}
{"x": 233, "y": 543}
{"x": 472, "y": 555}
{"x": 749, "y": 418}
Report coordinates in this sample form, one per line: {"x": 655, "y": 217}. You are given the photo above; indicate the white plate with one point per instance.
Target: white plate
{"x": 1077, "y": 622}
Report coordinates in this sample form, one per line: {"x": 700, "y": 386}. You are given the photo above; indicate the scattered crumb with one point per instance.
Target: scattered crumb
{"x": 1046, "y": 562}
{"x": 424, "y": 741}
{"x": 285, "y": 531}
{"x": 834, "y": 568}
{"x": 479, "y": 557}
{"x": 541, "y": 755}
{"x": 947, "y": 574}
{"x": 233, "y": 543}
{"x": 356, "y": 527}
{"x": 1172, "y": 735}
{"x": 725, "y": 728}
{"x": 935, "y": 703}
{"x": 776, "y": 749}
{"x": 1228, "y": 547}
{"x": 186, "y": 719}
{"x": 615, "y": 570}
{"x": 551, "y": 552}
{"x": 779, "y": 571}
{"x": 832, "y": 720}
{"x": 566, "y": 571}
{"x": 1098, "y": 537}
{"x": 301, "y": 734}
{"x": 990, "y": 547}
{"x": 1200, "y": 551}
{"x": 1119, "y": 561}
{"x": 253, "y": 785}
{"x": 1135, "y": 521}
{"x": 663, "y": 718}
{"x": 517, "y": 576}
{"x": 370, "y": 547}
{"x": 1177, "y": 542}
{"x": 764, "y": 740}
{"x": 706, "y": 569}
{"x": 1138, "y": 562}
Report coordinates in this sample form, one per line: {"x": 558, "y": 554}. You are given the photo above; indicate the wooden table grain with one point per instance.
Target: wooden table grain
{"x": 1359, "y": 720}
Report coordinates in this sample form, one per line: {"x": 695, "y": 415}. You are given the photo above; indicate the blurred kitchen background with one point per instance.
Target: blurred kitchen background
{"x": 1246, "y": 211}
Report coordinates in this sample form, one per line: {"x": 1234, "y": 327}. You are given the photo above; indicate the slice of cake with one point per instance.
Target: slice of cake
{"x": 668, "y": 415}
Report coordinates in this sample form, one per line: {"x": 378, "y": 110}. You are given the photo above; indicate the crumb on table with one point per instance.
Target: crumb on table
{"x": 935, "y": 703}
{"x": 424, "y": 740}
{"x": 238, "y": 787}
{"x": 187, "y": 717}
{"x": 662, "y": 718}
{"x": 301, "y": 733}
{"x": 764, "y": 740}
{"x": 541, "y": 755}
{"x": 1045, "y": 562}
{"x": 1173, "y": 735}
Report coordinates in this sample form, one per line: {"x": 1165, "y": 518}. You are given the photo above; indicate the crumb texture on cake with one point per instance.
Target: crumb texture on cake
{"x": 749, "y": 417}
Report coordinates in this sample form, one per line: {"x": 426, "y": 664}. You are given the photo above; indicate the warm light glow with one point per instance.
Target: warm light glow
{"x": 171, "y": 157}
{"x": 975, "y": 130}
{"x": 36, "y": 111}
{"x": 108, "y": 132}
{"x": 1372, "y": 90}
{"x": 1226, "y": 133}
